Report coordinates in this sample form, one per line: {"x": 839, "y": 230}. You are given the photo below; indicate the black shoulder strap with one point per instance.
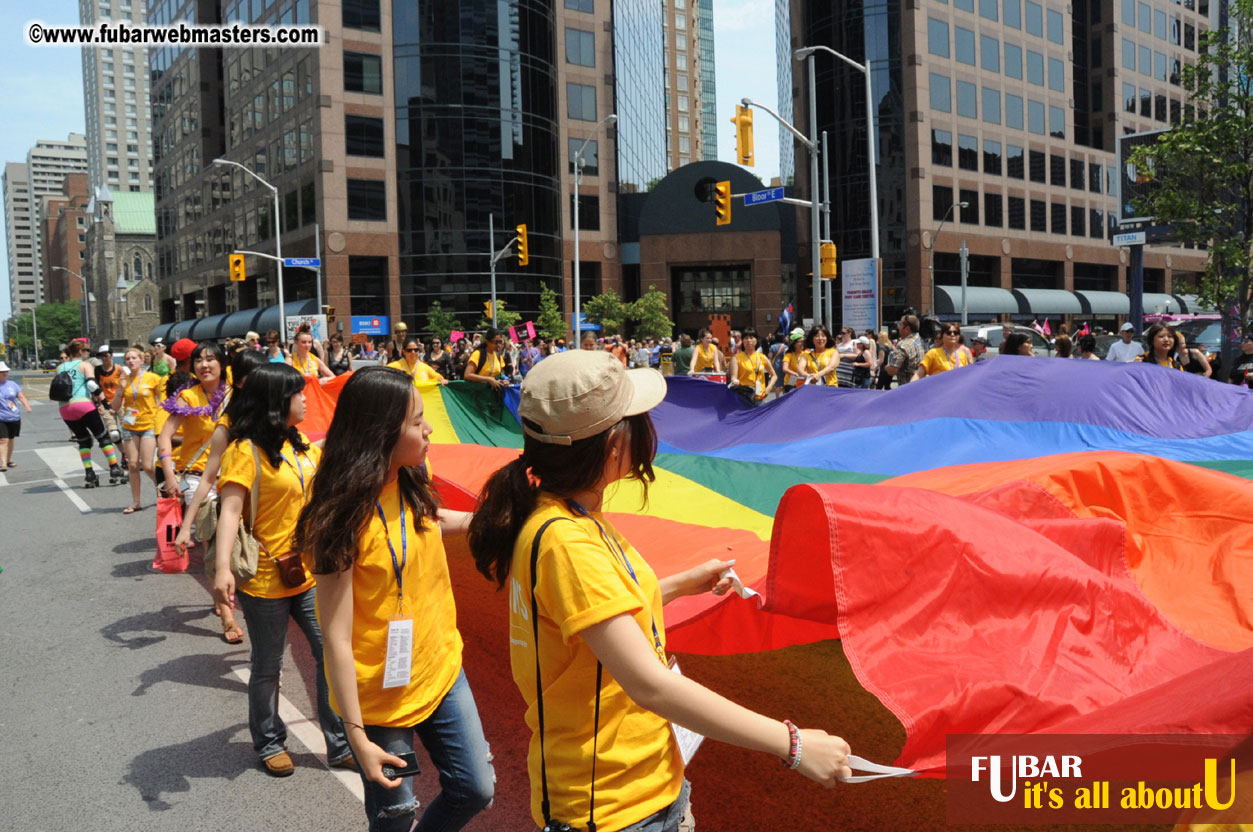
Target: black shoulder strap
{"x": 539, "y": 696}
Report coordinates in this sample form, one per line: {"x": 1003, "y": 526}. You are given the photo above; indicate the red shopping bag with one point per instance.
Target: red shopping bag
{"x": 169, "y": 518}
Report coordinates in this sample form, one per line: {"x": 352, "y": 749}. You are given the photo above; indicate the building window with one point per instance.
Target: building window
{"x": 987, "y": 9}
{"x": 1096, "y": 224}
{"x": 989, "y": 53}
{"x": 969, "y": 214}
{"x": 941, "y": 202}
{"x": 937, "y": 37}
{"x": 1017, "y": 213}
{"x": 991, "y": 157}
{"x": 721, "y": 289}
{"x": 1013, "y": 111}
{"x": 1037, "y": 166}
{"x": 361, "y": 14}
{"x": 1013, "y": 61}
{"x": 1035, "y": 68}
{"x": 964, "y": 45}
{"x": 968, "y": 153}
{"x": 367, "y": 199}
{"x": 1129, "y": 98}
{"x": 367, "y": 285}
{"x": 942, "y": 148}
{"x": 1058, "y": 223}
{"x": 589, "y": 212}
{"x": 1035, "y": 117}
{"x": 1076, "y": 174}
{"x": 588, "y": 6}
{"x": 591, "y": 156}
{"x": 1013, "y": 13}
{"x": 1039, "y": 216}
{"x": 580, "y": 47}
{"x": 147, "y": 303}
{"x": 1057, "y": 170}
{"x": 364, "y": 136}
{"x": 1077, "y": 224}
{"x": 1055, "y": 26}
{"x": 992, "y": 210}
{"x": 991, "y": 105}
{"x": 363, "y": 73}
{"x": 967, "y": 100}
{"x": 1146, "y": 61}
{"x": 1057, "y": 122}
{"x": 581, "y": 102}
{"x": 1035, "y": 19}
{"x": 1128, "y": 55}
{"x": 1057, "y": 75}
{"x": 941, "y": 99}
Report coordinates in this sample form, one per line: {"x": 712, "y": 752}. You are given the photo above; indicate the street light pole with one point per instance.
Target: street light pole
{"x": 278, "y": 242}
{"x": 931, "y": 263}
{"x": 86, "y": 297}
{"x": 610, "y": 119}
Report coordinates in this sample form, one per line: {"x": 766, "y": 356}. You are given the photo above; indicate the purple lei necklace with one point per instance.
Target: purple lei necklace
{"x": 176, "y": 406}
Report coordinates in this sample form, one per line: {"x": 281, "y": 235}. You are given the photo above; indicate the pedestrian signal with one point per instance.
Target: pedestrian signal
{"x": 722, "y": 202}
{"x": 827, "y": 253}
{"x": 524, "y": 248}
{"x": 743, "y": 122}
{"x": 236, "y": 267}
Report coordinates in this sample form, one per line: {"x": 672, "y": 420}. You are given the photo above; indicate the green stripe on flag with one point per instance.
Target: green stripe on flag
{"x": 479, "y": 416}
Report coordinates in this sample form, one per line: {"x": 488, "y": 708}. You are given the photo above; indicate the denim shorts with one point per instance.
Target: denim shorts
{"x": 131, "y": 434}
{"x": 677, "y": 817}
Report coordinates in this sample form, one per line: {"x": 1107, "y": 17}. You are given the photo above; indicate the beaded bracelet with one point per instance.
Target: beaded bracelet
{"x": 793, "y": 760}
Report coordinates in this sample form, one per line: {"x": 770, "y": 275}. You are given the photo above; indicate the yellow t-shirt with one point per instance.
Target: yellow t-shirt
{"x": 582, "y": 581}
{"x": 421, "y": 371}
{"x": 489, "y": 365}
{"x": 704, "y": 361}
{"x": 792, "y": 361}
{"x": 159, "y": 394}
{"x": 428, "y": 599}
{"x": 750, "y": 371}
{"x": 937, "y": 361}
{"x": 139, "y": 394}
{"x": 308, "y": 367}
{"x": 819, "y": 361}
{"x": 197, "y": 430}
{"x": 280, "y": 498}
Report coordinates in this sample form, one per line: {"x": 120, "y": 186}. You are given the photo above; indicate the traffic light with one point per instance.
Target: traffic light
{"x": 827, "y": 252}
{"x": 236, "y": 267}
{"x": 329, "y": 311}
{"x": 524, "y": 249}
{"x": 487, "y": 306}
{"x": 743, "y": 122}
{"x": 722, "y": 202}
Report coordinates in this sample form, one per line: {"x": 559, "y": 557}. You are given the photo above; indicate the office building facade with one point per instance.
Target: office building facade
{"x": 47, "y": 165}
{"x": 116, "y": 102}
{"x": 1013, "y": 107}
{"x": 25, "y": 285}
{"x": 691, "y": 92}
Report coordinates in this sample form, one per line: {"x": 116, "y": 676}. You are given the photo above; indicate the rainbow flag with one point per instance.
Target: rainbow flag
{"x": 1020, "y": 546}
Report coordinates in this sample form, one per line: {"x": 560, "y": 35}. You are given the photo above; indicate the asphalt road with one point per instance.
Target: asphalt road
{"x": 121, "y": 707}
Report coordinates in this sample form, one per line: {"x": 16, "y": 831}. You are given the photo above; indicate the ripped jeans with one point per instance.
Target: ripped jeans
{"x": 453, "y": 737}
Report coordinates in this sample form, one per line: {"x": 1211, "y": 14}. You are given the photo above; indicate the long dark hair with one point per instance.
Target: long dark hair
{"x": 242, "y": 365}
{"x": 1150, "y": 337}
{"x": 512, "y": 492}
{"x": 214, "y": 351}
{"x": 373, "y": 408}
{"x": 809, "y": 339}
{"x": 263, "y": 405}
{"x": 1013, "y": 343}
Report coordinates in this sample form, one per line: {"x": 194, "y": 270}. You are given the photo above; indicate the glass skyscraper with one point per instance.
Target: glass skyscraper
{"x": 639, "y": 69}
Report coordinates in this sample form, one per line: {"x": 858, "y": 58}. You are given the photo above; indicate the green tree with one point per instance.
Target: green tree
{"x": 650, "y": 314}
{"x": 440, "y": 322}
{"x": 608, "y": 310}
{"x": 59, "y": 323}
{"x": 504, "y": 318}
{"x": 550, "y": 323}
{"x": 1202, "y": 169}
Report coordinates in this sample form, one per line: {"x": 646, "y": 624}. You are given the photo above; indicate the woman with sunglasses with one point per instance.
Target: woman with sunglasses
{"x": 486, "y": 364}
{"x": 602, "y": 747}
{"x": 413, "y": 366}
{"x": 274, "y": 351}
{"x": 948, "y": 355}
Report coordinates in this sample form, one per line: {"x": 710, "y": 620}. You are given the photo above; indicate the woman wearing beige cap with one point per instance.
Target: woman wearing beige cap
{"x": 586, "y": 613}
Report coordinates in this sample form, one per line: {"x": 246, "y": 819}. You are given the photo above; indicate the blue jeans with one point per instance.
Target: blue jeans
{"x": 676, "y": 817}
{"x": 453, "y": 736}
{"x": 267, "y": 632}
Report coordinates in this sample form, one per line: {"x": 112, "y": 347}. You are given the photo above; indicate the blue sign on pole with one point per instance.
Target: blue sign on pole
{"x": 371, "y": 324}
{"x": 311, "y": 262}
{"x": 768, "y": 195}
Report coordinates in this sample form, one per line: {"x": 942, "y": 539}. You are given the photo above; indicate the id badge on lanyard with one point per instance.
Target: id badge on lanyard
{"x": 131, "y": 416}
{"x": 398, "y": 666}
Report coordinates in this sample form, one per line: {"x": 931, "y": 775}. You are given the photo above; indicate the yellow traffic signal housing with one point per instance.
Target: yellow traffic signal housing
{"x": 487, "y": 305}
{"x": 828, "y": 252}
{"x": 722, "y": 202}
{"x": 524, "y": 248}
{"x": 237, "y": 267}
{"x": 743, "y": 122}
{"x": 329, "y": 311}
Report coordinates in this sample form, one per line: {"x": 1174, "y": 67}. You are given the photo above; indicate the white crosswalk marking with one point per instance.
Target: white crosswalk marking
{"x": 64, "y": 461}
{"x": 309, "y": 733}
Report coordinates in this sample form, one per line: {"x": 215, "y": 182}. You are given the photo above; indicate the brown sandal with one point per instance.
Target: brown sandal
{"x": 232, "y": 632}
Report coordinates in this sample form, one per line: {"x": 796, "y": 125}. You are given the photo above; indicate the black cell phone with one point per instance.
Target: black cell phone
{"x": 391, "y": 772}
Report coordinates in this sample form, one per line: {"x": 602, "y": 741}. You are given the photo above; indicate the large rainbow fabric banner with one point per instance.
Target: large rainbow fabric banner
{"x": 1027, "y": 545}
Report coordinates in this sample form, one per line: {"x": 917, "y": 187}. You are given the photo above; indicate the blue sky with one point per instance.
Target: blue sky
{"x": 43, "y": 96}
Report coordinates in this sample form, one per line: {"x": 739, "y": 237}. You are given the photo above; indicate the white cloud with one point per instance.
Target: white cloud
{"x": 743, "y": 15}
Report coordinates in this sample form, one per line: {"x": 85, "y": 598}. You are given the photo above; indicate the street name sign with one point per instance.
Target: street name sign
{"x": 768, "y": 195}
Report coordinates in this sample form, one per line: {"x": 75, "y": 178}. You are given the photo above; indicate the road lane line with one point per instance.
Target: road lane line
{"x": 3, "y": 480}
{"x": 64, "y": 461}
{"x": 74, "y": 498}
{"x": 309, "y": 733}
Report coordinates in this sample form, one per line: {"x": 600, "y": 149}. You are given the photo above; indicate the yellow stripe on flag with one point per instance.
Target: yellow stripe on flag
{"x": 677, "y": 498}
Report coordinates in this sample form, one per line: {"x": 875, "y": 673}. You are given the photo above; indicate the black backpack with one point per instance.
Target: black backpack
{"x": 62, "y": 387}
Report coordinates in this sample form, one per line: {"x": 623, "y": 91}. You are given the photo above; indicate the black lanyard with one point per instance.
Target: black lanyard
{"x": 397, "y": 566}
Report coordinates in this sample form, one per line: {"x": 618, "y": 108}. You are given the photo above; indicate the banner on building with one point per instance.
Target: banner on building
{"x": 860, "y": 287}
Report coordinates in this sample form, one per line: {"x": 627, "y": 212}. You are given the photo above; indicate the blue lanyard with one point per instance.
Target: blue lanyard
{"x": 397, "y": 566}
{"x": 297, "y": 467}
{"x": 616, "y": 548}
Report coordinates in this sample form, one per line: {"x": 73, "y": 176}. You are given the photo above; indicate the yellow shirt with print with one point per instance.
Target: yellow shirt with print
{"x": 818, "y": 361}
{"x": 421, "y": 371}
{"x": 749, "y": 370}
{"x": 582, "y": 581}
{"x": 139, "y": 393}
{"x": 280, "y": 497}
{"x": 197, "y": 430}
{"x": 428, "y": 600}
{"x": 937, "y": 361}
{"x": 160, "y": 393}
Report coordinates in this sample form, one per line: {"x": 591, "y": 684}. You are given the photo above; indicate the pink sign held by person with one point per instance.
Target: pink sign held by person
{"x": 530, "y": 329}
{"x": 513, "y": 334}
{"x": 456, "y": 335}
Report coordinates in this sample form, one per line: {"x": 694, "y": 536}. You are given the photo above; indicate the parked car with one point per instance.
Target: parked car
{"x": 50, "y": 364}
{"x": 1206, "y": 335}
{"x": 992, "y": 334}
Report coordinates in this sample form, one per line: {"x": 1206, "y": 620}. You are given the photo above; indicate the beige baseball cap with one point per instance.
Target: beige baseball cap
{"x": 573, "y": 395}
